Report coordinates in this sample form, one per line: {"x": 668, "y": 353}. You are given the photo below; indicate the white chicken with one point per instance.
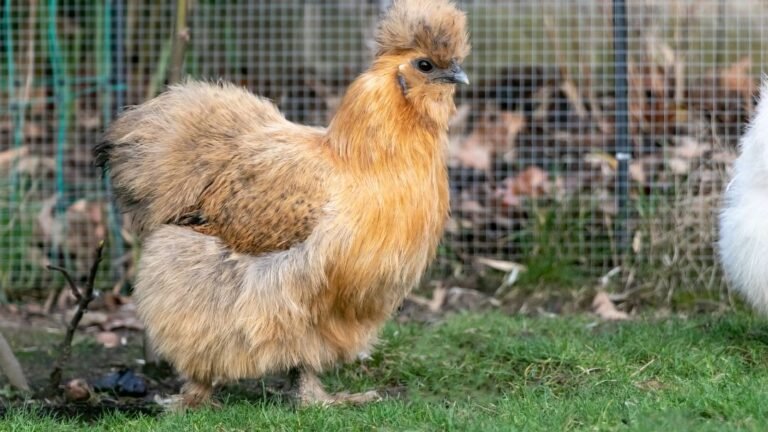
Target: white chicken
{"x": 743, "y": 236}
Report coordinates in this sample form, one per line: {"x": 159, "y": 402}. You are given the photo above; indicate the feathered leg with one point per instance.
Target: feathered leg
{"x": 196, "y": 393}
{"x": 311, "y": 392}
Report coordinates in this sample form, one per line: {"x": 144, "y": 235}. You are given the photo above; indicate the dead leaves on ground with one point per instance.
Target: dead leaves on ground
{"x": 445, "y": 300}
{"x": 493, "y": 136}
{"x": 533, "y": 182}
{"x": 78, "y": 390}
{"x": 109, "y": 321}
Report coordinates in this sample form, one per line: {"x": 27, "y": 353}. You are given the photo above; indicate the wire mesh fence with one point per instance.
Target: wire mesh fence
{"x": 535, "y": 149}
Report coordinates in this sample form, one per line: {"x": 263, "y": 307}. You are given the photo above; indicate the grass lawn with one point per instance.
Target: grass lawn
{"x": 493, "y": 372}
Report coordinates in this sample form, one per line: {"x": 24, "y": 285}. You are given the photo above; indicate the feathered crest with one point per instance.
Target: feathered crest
{"x": 436, "y": 27}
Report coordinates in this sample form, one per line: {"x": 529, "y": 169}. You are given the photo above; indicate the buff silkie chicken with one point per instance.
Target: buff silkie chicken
{"x": 270, "y": 246}
{"x": 743, "y": 242}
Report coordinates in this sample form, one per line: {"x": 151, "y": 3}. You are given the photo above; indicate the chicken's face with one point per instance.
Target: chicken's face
{"x": 429, "y": 82}
{"x": 425, "y": 71}
{"x": 425, "y": 41}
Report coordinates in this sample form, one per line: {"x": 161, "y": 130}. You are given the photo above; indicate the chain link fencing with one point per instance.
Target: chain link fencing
{"x": 569, "y": 156}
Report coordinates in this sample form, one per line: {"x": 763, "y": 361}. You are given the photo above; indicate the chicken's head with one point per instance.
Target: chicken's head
{"x": 423, "y": 43}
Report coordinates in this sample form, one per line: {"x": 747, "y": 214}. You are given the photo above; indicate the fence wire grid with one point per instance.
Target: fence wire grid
{"x": 533, "y": 148}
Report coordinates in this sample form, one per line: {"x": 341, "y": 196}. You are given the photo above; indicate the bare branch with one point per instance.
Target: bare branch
{"x": 71, "y": 283}
{"x": 94, "y": 269}
{"x": 82, "y": 307}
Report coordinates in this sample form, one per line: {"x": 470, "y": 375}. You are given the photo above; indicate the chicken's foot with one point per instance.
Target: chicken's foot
{"x": 194, "y": 394}
{"x": 311, "y": 392}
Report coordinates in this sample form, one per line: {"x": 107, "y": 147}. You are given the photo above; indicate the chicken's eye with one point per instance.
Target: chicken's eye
{"x": 425, "y": 66}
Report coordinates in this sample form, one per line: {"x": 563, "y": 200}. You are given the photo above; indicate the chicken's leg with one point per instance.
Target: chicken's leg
{"x": 195, "y": 394}
{"x": 311, "y": 392}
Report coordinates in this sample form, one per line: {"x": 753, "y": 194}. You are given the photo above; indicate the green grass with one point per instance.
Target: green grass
{"x": 494, "y": 372}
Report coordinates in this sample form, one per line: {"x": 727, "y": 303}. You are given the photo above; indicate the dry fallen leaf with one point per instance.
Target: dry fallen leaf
{"x": 512, "y": 270}
{"x": 128, "y": 323}
{"x": 679, "y": 166}
{"x": 36, "y": 166}
{"x": 506, "y": 131}
{"x": 91, "y": 318}
{"x": 108, "y": 339}
{"x": 637, "y": 242}
{"x": 34, "y": 131}
{"x": 727, "y": 157}
{"x": 454, "y": 299}
{"x": 8, "y": 156}
{"x": 606, "y": 278}
{"x": 77, "y": 390}
{"x": 471, "y": 206}
{"x": 505, "y": 266}
{"x": 532, "y": 182}
{"x": 438, "y": 298}
{"x": 604, "y": 307}
{"x": 473, "y": 153}
{"x": 459, "y": 299}
{"x": 452, "y": 226}
{"x": 739, "y": 78}
{"x": 111, "y": 301}
{"x": 88, "y": 119}
{"x": 574, "y": 97}
{"x": 689, "y": 148}
{"x": 606, "y": 162}
{"x": 637, "y": 172}
{"x": 494, "y": 134}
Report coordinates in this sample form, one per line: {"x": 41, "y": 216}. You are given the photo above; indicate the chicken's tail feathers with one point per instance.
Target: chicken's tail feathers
{"x": 163, "y": 155}
{"x": 102, "y": 153}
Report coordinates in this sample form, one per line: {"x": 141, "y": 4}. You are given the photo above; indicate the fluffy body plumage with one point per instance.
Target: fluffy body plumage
{"x": 743, "y": 242}
{"x": 269, "y": 245}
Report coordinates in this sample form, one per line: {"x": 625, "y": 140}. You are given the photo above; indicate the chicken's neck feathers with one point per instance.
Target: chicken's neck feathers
{"x": 376, "y": 127}
{"x": 392, "y": 196}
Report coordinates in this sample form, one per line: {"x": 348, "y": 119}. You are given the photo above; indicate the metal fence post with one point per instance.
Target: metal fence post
{"x": 623, "y": 147}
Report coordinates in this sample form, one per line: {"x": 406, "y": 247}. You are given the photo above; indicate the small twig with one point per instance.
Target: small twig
{"x": 53, "y": 298}
{"x": 82, "y": 306}
{"x": 70, "y": 282}
{"x": 94, "y": 270}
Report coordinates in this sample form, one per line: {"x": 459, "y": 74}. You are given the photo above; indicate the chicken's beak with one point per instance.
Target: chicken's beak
{"x": 453, "y": 75}
{"x": 459, "y": 76}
